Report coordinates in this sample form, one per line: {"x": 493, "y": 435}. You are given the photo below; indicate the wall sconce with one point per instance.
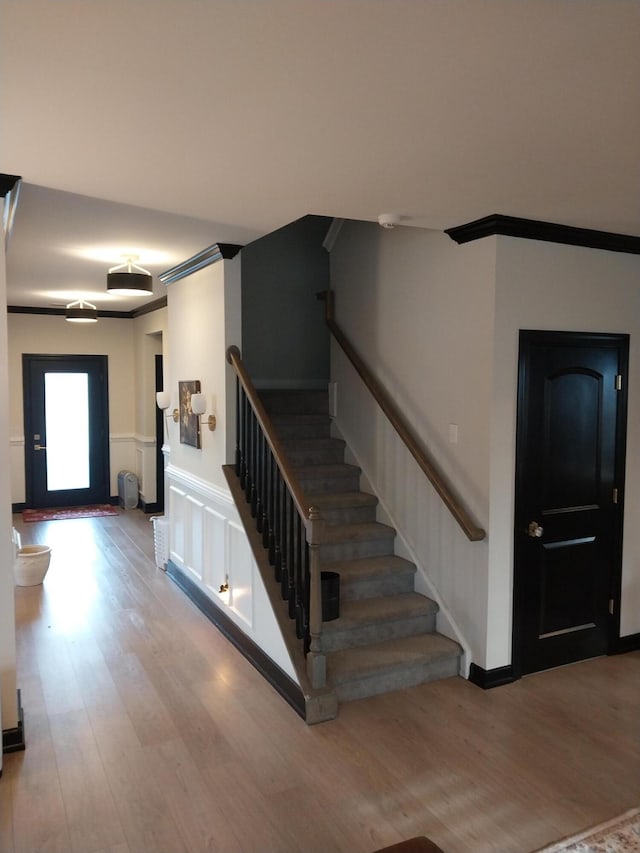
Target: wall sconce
{"x": 163, "y": 400}
{"x": 199, "y": 407}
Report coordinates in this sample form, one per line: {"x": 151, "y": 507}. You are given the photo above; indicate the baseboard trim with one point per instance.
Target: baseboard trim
{"x": 630, "y": 643}
{"x": 278, "y": 679}
{"x": 149, "y": 507}
{"x": 13, "y": 740}
{"x": 489, "y": 678}
{"x": 15, "y": 508}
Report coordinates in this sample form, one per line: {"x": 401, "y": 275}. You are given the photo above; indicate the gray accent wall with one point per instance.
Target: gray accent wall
{"x": 285, "y": 343}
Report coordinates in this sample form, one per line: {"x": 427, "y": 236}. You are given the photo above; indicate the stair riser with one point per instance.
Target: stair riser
{"x": 349, "y": 515}
{"x": 400, "y": 679}
{"x": 322, "y": 485}
{"x": 378, "y": 632}
{"x": 355, "y": 549}
{"x": 376, "y": 587}
{"x": 316, "y": 456}
{"x": 298, "y": 403}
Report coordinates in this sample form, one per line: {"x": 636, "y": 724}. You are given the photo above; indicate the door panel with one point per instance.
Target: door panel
{"x": 66, "y": 430}
{"x": 570, "y": 458}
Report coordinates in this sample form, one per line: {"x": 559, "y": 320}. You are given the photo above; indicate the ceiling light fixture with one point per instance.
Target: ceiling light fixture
{"x": 129, "y": 279}
{"x": 81, "y": 312}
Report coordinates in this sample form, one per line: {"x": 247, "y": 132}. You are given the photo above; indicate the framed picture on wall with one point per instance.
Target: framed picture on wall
{"x": 189, "y": 423}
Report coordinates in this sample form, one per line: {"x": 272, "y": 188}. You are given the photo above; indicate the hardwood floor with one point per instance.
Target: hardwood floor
{"x": 147, "y": 731}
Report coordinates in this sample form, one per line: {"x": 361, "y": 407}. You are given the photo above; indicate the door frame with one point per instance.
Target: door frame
{"x": 620, "y": 342}
{"x": 99, "y": 362}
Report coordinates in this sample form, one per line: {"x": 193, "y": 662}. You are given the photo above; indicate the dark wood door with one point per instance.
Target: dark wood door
{"x": 66, "y": 430}
{"x": 569, "y": 496}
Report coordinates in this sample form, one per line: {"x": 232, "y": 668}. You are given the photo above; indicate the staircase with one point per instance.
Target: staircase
{"x": 385, "y": 637}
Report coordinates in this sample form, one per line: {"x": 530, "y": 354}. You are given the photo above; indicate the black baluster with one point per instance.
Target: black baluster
{"x": 258, "y": 513}
{"x": 248, "y": 459}
{"x": 254, "y": 463}
{"x": 238, "y": 429}
{"x": 266, "y": 490}
{"x": 277, "y": 524}
{"x": 291, "y": 596}
{"x": 271, "y": 544}
{"x": 299, "y": 576}
{"x": 307, "y": 598}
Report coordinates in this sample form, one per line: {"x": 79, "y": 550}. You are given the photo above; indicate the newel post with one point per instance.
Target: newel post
{"x": 316, "y": 660}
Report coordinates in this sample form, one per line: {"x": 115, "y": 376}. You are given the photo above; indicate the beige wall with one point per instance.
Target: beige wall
{"x": 129, "y": 346}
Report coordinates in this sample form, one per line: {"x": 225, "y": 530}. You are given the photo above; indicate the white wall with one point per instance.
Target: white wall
{"x": 554, "y": 287}
{"x": 9, "y": 714}
{"x": 207, "y": 540}
{"x": 421, "y": 314}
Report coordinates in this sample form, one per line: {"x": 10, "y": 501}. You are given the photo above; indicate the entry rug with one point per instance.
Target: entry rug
{"x": 68, "y": 512}
{"x": 620, "y": 835}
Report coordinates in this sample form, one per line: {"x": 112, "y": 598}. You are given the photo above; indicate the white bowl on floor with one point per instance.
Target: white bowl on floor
{"x": 31, "y": 564}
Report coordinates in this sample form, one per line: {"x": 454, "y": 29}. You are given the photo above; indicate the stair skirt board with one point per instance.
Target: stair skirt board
{"x": 385, "y": 637}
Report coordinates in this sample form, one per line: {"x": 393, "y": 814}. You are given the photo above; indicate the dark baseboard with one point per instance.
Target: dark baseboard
{"x": 15, "y": 508}
{"x": 278, "y": 679}
{"x": 488, "y": 678}
{"x": 13, "y": 739}
{"x": 149, "y": 507}
{"x": 630, "y": 643}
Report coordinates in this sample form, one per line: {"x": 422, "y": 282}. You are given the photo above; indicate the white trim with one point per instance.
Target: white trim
{"x": 332, "y": 234}
{"x": 147, "y": 440}
{"x": 196, "y": 484}
{"x": 121, "y": 438}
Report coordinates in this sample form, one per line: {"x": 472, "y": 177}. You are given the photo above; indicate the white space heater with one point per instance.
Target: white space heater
{"x": 127, "y": 490}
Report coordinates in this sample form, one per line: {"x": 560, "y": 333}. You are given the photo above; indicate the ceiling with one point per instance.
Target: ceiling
{"x": 166, "y": 125}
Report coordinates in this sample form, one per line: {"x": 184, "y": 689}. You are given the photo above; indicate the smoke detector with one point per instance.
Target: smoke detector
{"x": 388, "y": 220}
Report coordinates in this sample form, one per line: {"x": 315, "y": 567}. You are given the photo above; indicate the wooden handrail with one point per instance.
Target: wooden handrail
{"x": 427, "y": 465}
{"x": 234, "y": 358}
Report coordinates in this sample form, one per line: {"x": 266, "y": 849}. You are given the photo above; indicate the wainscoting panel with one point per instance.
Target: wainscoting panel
{"x": 241, "y": 574}
{"x": 215, "y": 529}
{"x": 194, "y": 536}
{"x": 208, "y": 543}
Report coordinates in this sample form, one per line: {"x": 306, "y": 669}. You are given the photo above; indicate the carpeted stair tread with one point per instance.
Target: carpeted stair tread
{"x": 341, "y": 469}
{"x": 366, "y": 661}
{"x": 340, "y": 533}
{"x": 390, "y": 608}
{"x": 312, "y": 443}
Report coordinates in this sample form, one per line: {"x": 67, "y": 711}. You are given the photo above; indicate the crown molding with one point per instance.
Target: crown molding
{"x": 156, "y": 305}
{"x": 550, "y": 232}
{"x": 210, "y": 255}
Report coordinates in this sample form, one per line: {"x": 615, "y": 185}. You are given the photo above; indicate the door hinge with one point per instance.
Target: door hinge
{"x": 614, "y": 496}
{"x": 619, "y": 382}
{"x": 611, "y": 605}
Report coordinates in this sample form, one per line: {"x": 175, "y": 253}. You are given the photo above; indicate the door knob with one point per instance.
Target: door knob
{"x": 39, "y": 447}
{"x": 534, "y": 530}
